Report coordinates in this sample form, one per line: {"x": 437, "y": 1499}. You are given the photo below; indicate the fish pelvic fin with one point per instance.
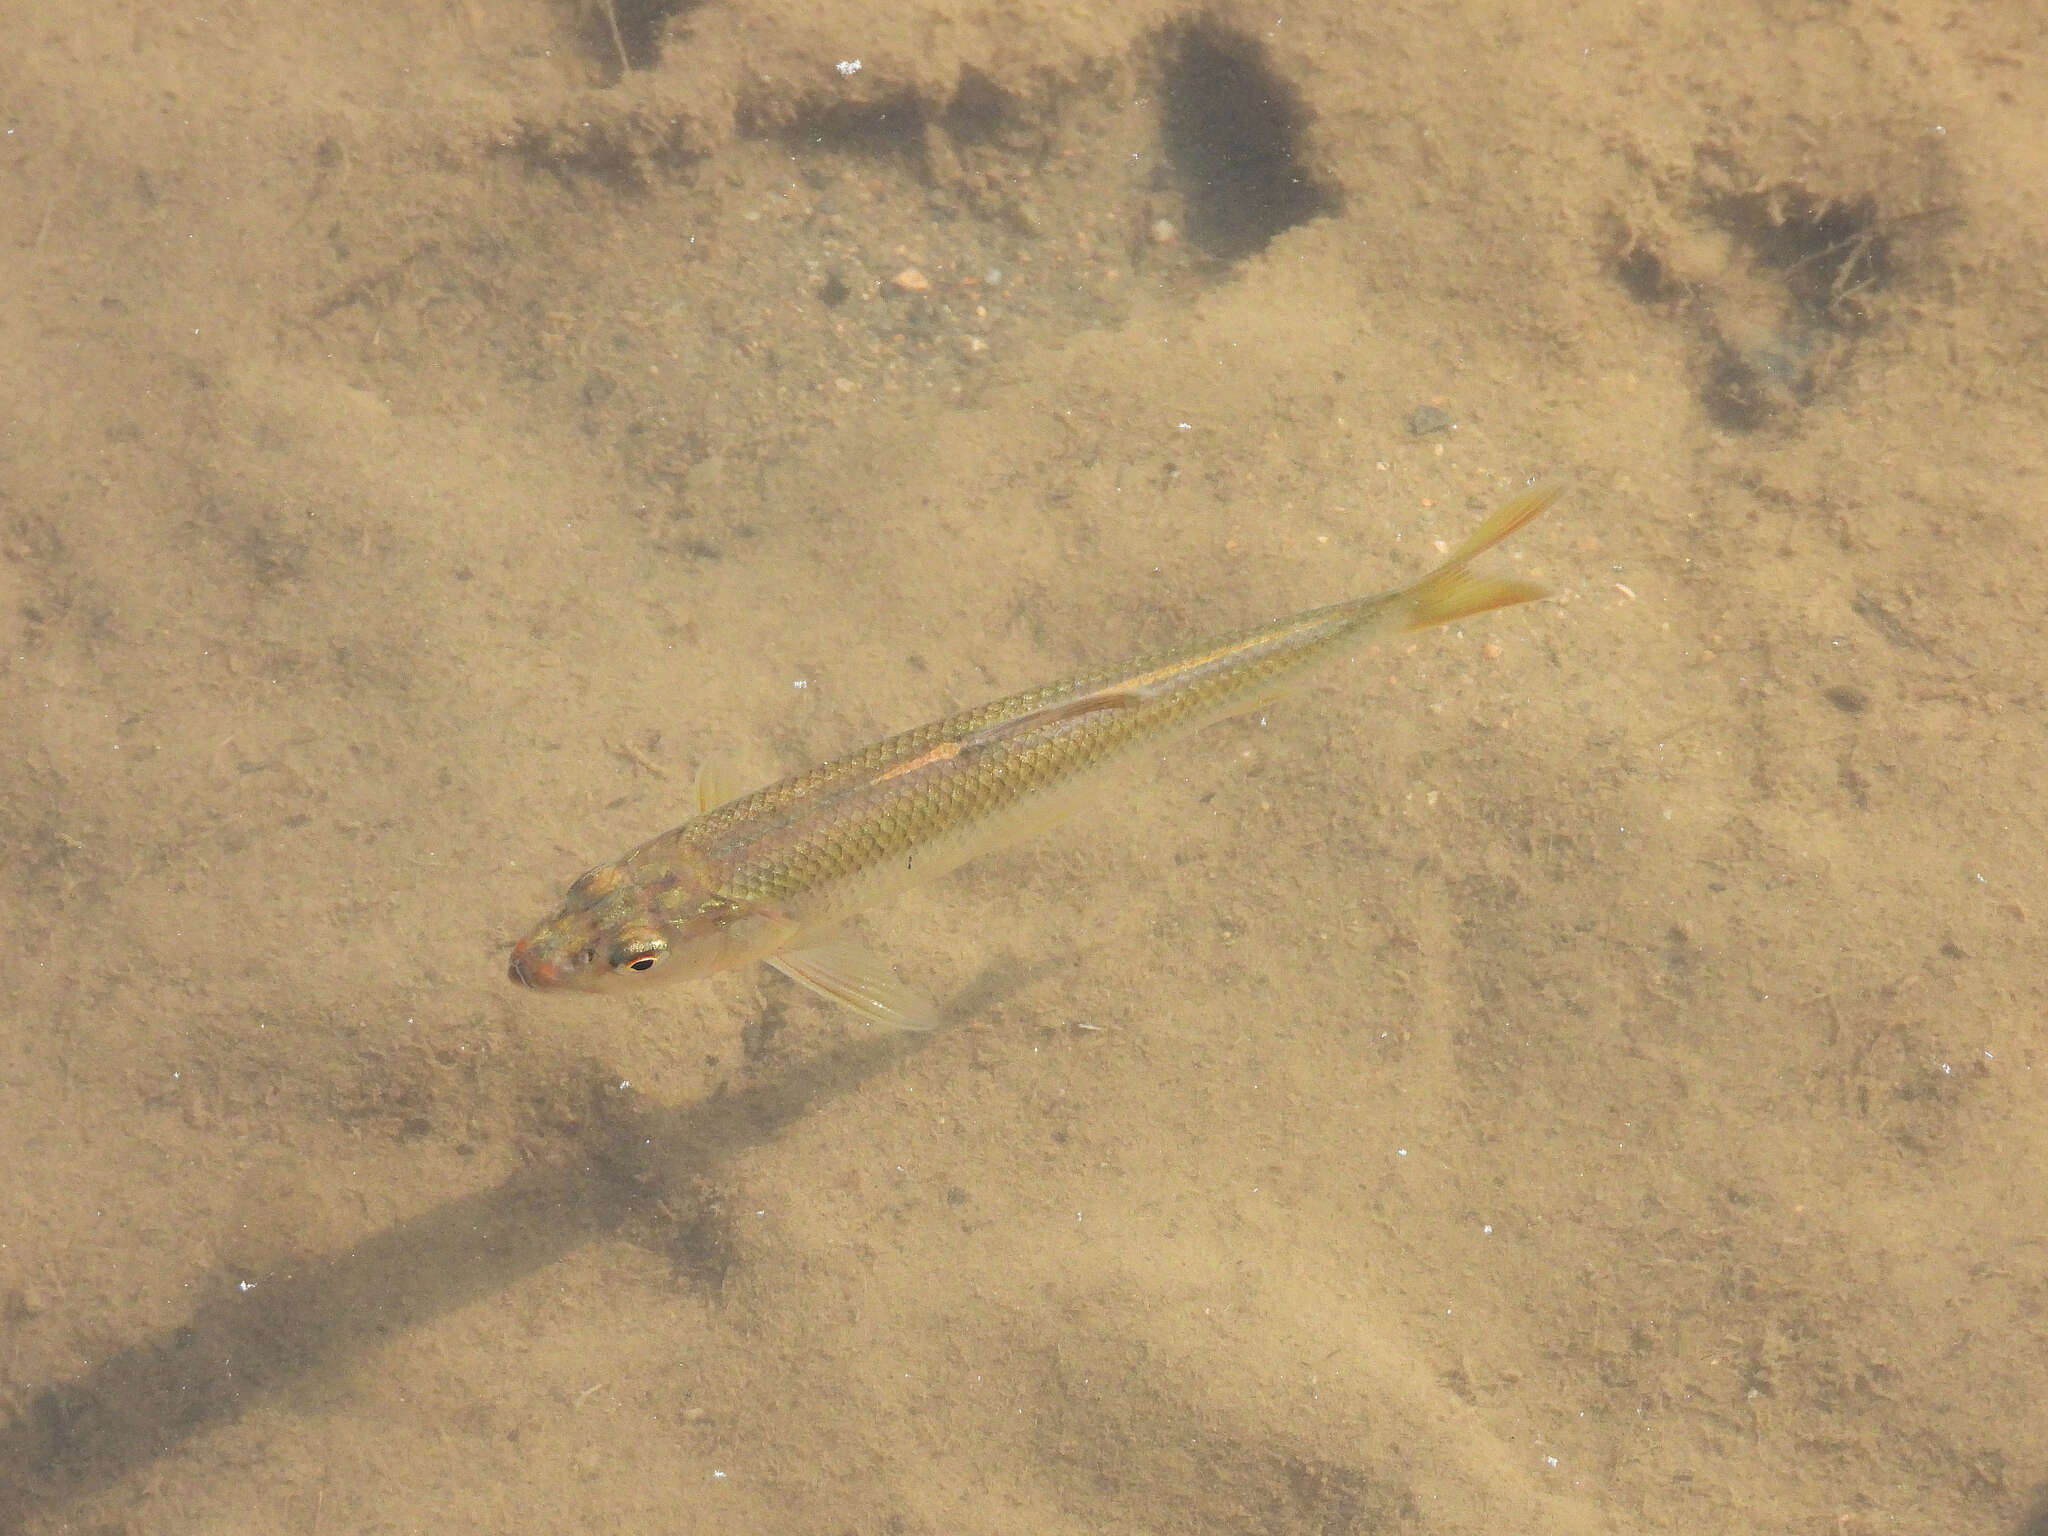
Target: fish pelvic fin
{"x": 1452, "y": 592}
{"x": 839, "y": 969}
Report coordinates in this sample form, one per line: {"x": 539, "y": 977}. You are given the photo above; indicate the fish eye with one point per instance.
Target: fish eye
{"x": 641, "y": 953}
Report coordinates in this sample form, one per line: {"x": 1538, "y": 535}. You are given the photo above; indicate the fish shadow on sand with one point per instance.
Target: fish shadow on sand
{"x": 240, "y": 1347}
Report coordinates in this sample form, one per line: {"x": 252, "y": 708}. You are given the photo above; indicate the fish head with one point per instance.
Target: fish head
{"x": 615, "y": 932}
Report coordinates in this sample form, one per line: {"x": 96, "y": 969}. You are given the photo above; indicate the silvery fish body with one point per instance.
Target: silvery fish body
{"x": 769, "y": 876}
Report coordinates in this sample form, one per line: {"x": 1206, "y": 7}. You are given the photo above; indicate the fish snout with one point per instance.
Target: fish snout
{"x": 528, "y": 969}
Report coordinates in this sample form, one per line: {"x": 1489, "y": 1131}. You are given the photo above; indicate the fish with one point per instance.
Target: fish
{"x": 770, "y": 876}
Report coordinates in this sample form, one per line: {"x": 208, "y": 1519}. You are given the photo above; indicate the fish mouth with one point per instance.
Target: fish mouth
{"x": 526, "y": 971}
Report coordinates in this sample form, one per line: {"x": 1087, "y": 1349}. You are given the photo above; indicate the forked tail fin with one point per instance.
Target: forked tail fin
{"x": 1451, "y": 592}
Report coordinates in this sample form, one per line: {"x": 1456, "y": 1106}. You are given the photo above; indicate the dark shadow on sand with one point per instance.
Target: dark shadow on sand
{"x": 143, "y": 1402}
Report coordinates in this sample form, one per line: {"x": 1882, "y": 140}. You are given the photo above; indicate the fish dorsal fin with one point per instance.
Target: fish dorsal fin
{"x": 1104, "y": 701}
{"x": 844, "y": 972}
{"x": 1027, "y": 724}
{"x": 717, "y": 784}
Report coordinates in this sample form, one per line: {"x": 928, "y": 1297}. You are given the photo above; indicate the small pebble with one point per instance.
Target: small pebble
{"x": 910, "y": 280}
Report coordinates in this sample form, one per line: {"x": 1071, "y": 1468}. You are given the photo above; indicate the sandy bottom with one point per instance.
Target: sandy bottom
{"x": 1581, "y": 1071}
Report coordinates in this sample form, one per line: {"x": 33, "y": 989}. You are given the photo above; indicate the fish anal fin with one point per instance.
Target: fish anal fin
{"x": 841, "y": 970}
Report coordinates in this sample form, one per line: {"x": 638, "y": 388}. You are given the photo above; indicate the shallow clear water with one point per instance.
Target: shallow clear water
{"x": 1572, "y": 1072}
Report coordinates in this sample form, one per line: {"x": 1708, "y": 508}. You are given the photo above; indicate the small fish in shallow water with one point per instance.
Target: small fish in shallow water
{"x": 770, "y": 875}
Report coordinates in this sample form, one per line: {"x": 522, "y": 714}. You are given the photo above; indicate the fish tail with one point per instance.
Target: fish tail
{"x": 1451, "y": 592}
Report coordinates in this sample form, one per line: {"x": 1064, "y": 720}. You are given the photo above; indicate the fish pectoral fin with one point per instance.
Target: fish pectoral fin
{"x": 844, "y": 972}
{"x": 717, "y": 784}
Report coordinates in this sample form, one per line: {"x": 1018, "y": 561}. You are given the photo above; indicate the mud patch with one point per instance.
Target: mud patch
{"x": 625, "y": 35}
{"x": 627, "y": 150}
{"x": 1232, "y": 132}
{"x": 1776, "y": 282}
{"x": 888, "y": 127}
